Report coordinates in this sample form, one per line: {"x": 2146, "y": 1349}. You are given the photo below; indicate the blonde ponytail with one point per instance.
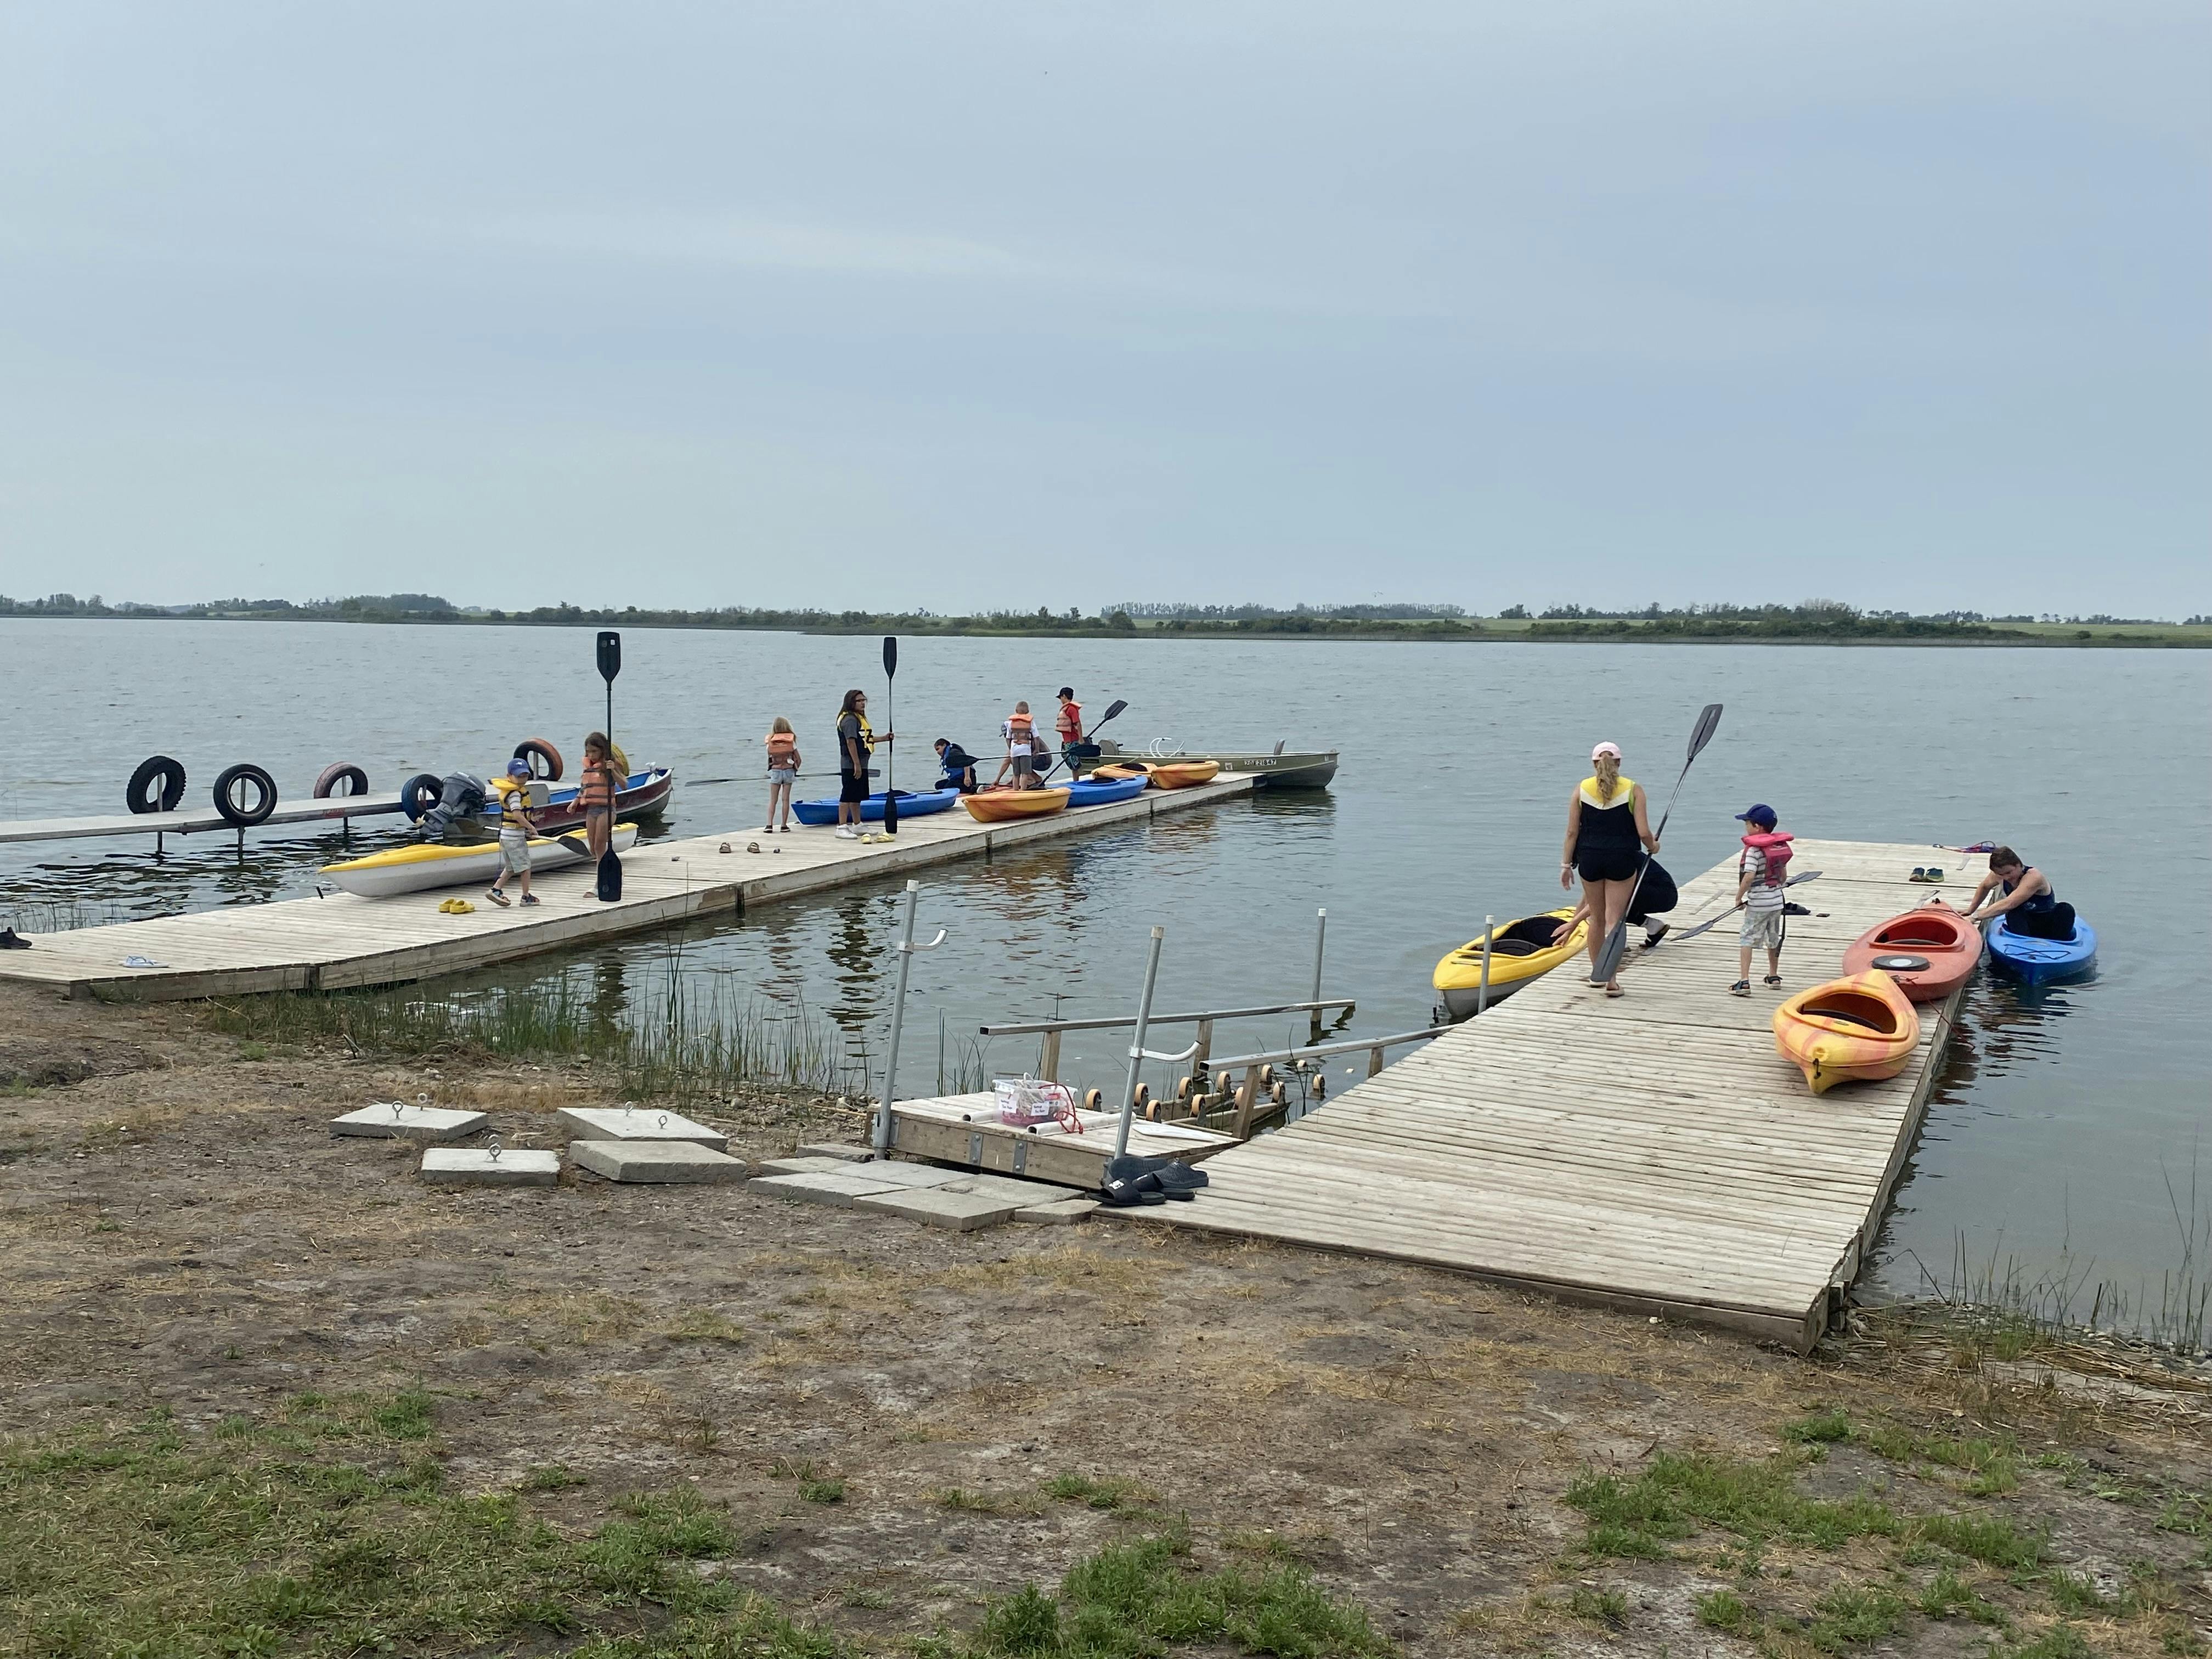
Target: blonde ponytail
{"x": 1609, "y": 778}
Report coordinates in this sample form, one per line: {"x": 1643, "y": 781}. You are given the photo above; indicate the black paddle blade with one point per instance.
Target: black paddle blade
{"x": 890, "y": 655}
{"x": 610, "y": 876}
{"x": 1707, "y": 926}
{"x": 1708, "y": 723}
{"x": 1112, "y": 709}
{"x": 890, "y": 811}
{"x": 610, "y": 651}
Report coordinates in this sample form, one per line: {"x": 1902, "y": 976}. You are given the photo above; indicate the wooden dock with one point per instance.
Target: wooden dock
{"x": 342, "y": 941}
{"x": 1652, "y": 1152}
{"x": 194, "y": 820}
{"x": 965, "y": 1129}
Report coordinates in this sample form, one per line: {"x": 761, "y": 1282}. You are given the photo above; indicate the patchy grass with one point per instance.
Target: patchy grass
{"x": 1991, "y": 1540}
{"x": 1608, "y": 1608}
{"x": 550, "y": 1477}
{"x": 1947, "y": 1596}
{"x": 822, "y": 1491}
{"x": 1141, "y": 1596}
{"x": 1724, "y": 1610}
{"x": 985, "y": 1502}
{"x": 260, "y": 1537}
{"x": 1099, "y": 1494}
{"x": 1677, "y": 1493}
{"x": 1822, "y": 1427}
{"x": 1851, "y": 1615}
{"x": 2072, "y": 1592}
{"x": 2059, "y": 1642}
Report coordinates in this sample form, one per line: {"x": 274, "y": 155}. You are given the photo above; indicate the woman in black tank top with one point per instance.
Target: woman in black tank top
{"x": 1607, "y": 822}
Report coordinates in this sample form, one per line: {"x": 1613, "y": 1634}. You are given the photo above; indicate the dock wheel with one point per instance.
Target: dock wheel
{"x": 1094, "y": 1100}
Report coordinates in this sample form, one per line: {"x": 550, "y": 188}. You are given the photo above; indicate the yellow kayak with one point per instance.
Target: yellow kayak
{"x": 1519, "y": 952}
{"x": 1163, "y": 775}
{"x": 1004, "y": 806}
{"x": 418, "y": 868}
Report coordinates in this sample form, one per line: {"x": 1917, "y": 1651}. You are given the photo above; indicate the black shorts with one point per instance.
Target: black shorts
{"x": 851, "y": 788}
{"x": 2055, "y": 923}
{"x": 1607, "y": 865}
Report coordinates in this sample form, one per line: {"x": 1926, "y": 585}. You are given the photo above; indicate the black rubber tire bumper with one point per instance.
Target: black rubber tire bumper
{"x": 143, "y": 796}
{"x": 231, "y": 790}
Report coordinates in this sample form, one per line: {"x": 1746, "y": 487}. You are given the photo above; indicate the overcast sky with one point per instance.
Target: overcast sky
{"x": 969, "y": 306}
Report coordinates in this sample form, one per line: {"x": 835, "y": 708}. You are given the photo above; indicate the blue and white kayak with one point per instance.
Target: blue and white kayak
{"x": 911, "y": 805}
{"x": 2041, "y": 961}
{"x": 1084, "y": 792}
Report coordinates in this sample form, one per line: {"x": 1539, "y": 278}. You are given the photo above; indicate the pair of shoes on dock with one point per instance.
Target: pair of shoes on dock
{"x": 1130, "y": 1179}
{"x": 1933, "y": 872}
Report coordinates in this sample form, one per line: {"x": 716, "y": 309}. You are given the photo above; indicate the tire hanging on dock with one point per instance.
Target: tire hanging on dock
{"x": 142, "y": 794}
{"x": 230, "y": 806}
{"x": 340, "y": 772}
{"x": 543, "y": 758}
{"x": 419, "y": 795}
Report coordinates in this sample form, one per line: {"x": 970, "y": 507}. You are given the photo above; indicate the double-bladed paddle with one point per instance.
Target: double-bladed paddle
{"x": 1712, "y": 922}
{"x": 1616, "y": 942}
{"x": 891, "y": 794}
{"x": 1112, "y": 709}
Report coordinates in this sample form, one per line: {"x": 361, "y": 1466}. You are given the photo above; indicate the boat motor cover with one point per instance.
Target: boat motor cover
{"x": 460, "y": 797}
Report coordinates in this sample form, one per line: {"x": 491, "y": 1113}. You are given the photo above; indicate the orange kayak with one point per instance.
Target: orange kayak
{"x": 1164, "y": 774}
{"x": 1859, "y": 1029}
{"x": 1002, "y": 806}
{"x": 1928, "y": 952}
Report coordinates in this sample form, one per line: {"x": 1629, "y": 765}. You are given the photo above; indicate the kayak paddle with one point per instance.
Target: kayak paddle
{"x": 1715, "y": 921}
{"x": 1616, "y": 942}
{"x": 891, "y": 794}
{"x": 1112, "y": 709}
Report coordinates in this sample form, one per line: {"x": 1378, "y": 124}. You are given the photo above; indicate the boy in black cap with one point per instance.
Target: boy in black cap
{"x": 1758, "y": 891}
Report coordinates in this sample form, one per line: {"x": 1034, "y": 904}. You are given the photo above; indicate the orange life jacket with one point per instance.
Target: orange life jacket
{"x": 783, "y": 745}
{"x": 1022, "y": 724}
{"x": 597, "y": 786}
{"x": 1071, "y": 720}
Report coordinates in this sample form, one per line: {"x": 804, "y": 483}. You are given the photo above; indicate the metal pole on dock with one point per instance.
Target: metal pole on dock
{"x": 1137, "y": 1043}
{"x": 906, "y": 948}
{"x": 1482, "y": 991}
{"x": 1320, "y": 940}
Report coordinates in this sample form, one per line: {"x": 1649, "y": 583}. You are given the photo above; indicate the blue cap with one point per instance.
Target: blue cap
{"x": 518, "y": 767}
{"x": 1762, "y": 816}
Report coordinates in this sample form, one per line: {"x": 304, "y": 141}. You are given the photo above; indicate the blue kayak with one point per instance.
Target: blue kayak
{"x": 1086, "y": 794}
{"x": 2040, "y": 961}
{"x": 911, "y": 805}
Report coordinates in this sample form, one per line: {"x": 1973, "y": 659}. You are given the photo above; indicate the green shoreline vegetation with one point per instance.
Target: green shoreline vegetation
{"x": 1817, "y": 621}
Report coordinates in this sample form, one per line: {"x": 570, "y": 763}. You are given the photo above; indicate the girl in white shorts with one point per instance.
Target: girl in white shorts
{"x": 782, "y": 770}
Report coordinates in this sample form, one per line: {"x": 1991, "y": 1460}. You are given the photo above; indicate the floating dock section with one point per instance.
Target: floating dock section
{"x": 341, "y": 941}
{"x": 1652, "y": 1151}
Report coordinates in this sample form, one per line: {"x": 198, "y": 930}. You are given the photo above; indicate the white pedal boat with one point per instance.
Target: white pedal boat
{"x": 417, "y": 869}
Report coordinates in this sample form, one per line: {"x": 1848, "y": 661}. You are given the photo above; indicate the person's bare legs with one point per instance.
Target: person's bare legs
{"x": 1608, "y": 907}
{"x": 1594, "y": 894}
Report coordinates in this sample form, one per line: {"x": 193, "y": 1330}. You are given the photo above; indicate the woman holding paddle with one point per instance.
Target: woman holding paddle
{"x": 1606, "y": 820}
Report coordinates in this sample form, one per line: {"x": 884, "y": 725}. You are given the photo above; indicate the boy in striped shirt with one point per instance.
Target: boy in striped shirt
{"x": 1758, "y": 891}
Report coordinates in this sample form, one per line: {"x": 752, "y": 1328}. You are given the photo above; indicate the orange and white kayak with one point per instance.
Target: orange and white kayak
{"x": 1927, "y": 951}
{"x": 1003, "y": 806}
{"x": 1858, "y": 1029}
{"x": 1163, "y": 775}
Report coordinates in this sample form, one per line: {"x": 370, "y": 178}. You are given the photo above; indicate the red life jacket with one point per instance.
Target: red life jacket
{"x": 1775, "y": 845}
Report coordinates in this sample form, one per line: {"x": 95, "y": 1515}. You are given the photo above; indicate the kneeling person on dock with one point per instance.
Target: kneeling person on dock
{"x": 514, "y": 828}
{"x": 1759, "y": 883}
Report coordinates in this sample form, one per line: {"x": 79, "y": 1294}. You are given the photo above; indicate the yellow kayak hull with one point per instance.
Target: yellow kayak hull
{"x": 1004, "y": 806}
{"x": 1458, "y": 978}
{"x": 1857, "y": 1030}
{"x": 1163, "y": 775}
{"x": 427, "y": 864}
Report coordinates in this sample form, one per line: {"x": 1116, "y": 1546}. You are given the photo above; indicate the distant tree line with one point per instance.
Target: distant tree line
{"x": 1814, "y": 621}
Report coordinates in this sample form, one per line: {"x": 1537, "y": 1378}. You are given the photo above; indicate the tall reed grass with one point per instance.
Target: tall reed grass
{"x": 681, "y": 1039}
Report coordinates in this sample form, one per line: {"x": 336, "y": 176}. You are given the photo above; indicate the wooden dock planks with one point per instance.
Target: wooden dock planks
{"x": 1652, "y": 1151}
{"x": 341, "y": 941}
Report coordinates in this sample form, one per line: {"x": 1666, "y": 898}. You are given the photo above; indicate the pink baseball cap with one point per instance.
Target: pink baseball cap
{"x": 1612, "y": 748}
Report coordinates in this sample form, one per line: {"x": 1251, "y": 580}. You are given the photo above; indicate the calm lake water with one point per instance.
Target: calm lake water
{"x": 2068, "y": 1127}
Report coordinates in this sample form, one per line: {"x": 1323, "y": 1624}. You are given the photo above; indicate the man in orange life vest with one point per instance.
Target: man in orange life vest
{"x": 1070, "y": 726}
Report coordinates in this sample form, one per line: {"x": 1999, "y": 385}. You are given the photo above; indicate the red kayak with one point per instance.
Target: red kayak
{"x": 1928, "y": 952}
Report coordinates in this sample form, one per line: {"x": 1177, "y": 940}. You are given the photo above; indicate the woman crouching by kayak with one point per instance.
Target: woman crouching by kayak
{"x": 2022, "y": 895}
{"x": 1606, "y": 820}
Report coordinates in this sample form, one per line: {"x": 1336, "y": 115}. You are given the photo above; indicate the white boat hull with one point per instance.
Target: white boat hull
{"x": 422, "y": 869}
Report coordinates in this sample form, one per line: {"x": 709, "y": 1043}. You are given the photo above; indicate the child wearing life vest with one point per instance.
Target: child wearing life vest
{"x": 1020, "y": 730}
{"x": 1761, "y": 873}
{"x": 782, "y": 768}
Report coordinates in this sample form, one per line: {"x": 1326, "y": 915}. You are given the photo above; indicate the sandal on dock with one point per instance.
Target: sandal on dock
{"x": 1771, "y": 979}
{"x": 1740, "y": 988}
{"x": 1613, "y": 987}
{"x": 497, "y": 897}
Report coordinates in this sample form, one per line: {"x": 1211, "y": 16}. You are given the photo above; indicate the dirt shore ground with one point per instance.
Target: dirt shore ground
{"x": 181, "y": 1230}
